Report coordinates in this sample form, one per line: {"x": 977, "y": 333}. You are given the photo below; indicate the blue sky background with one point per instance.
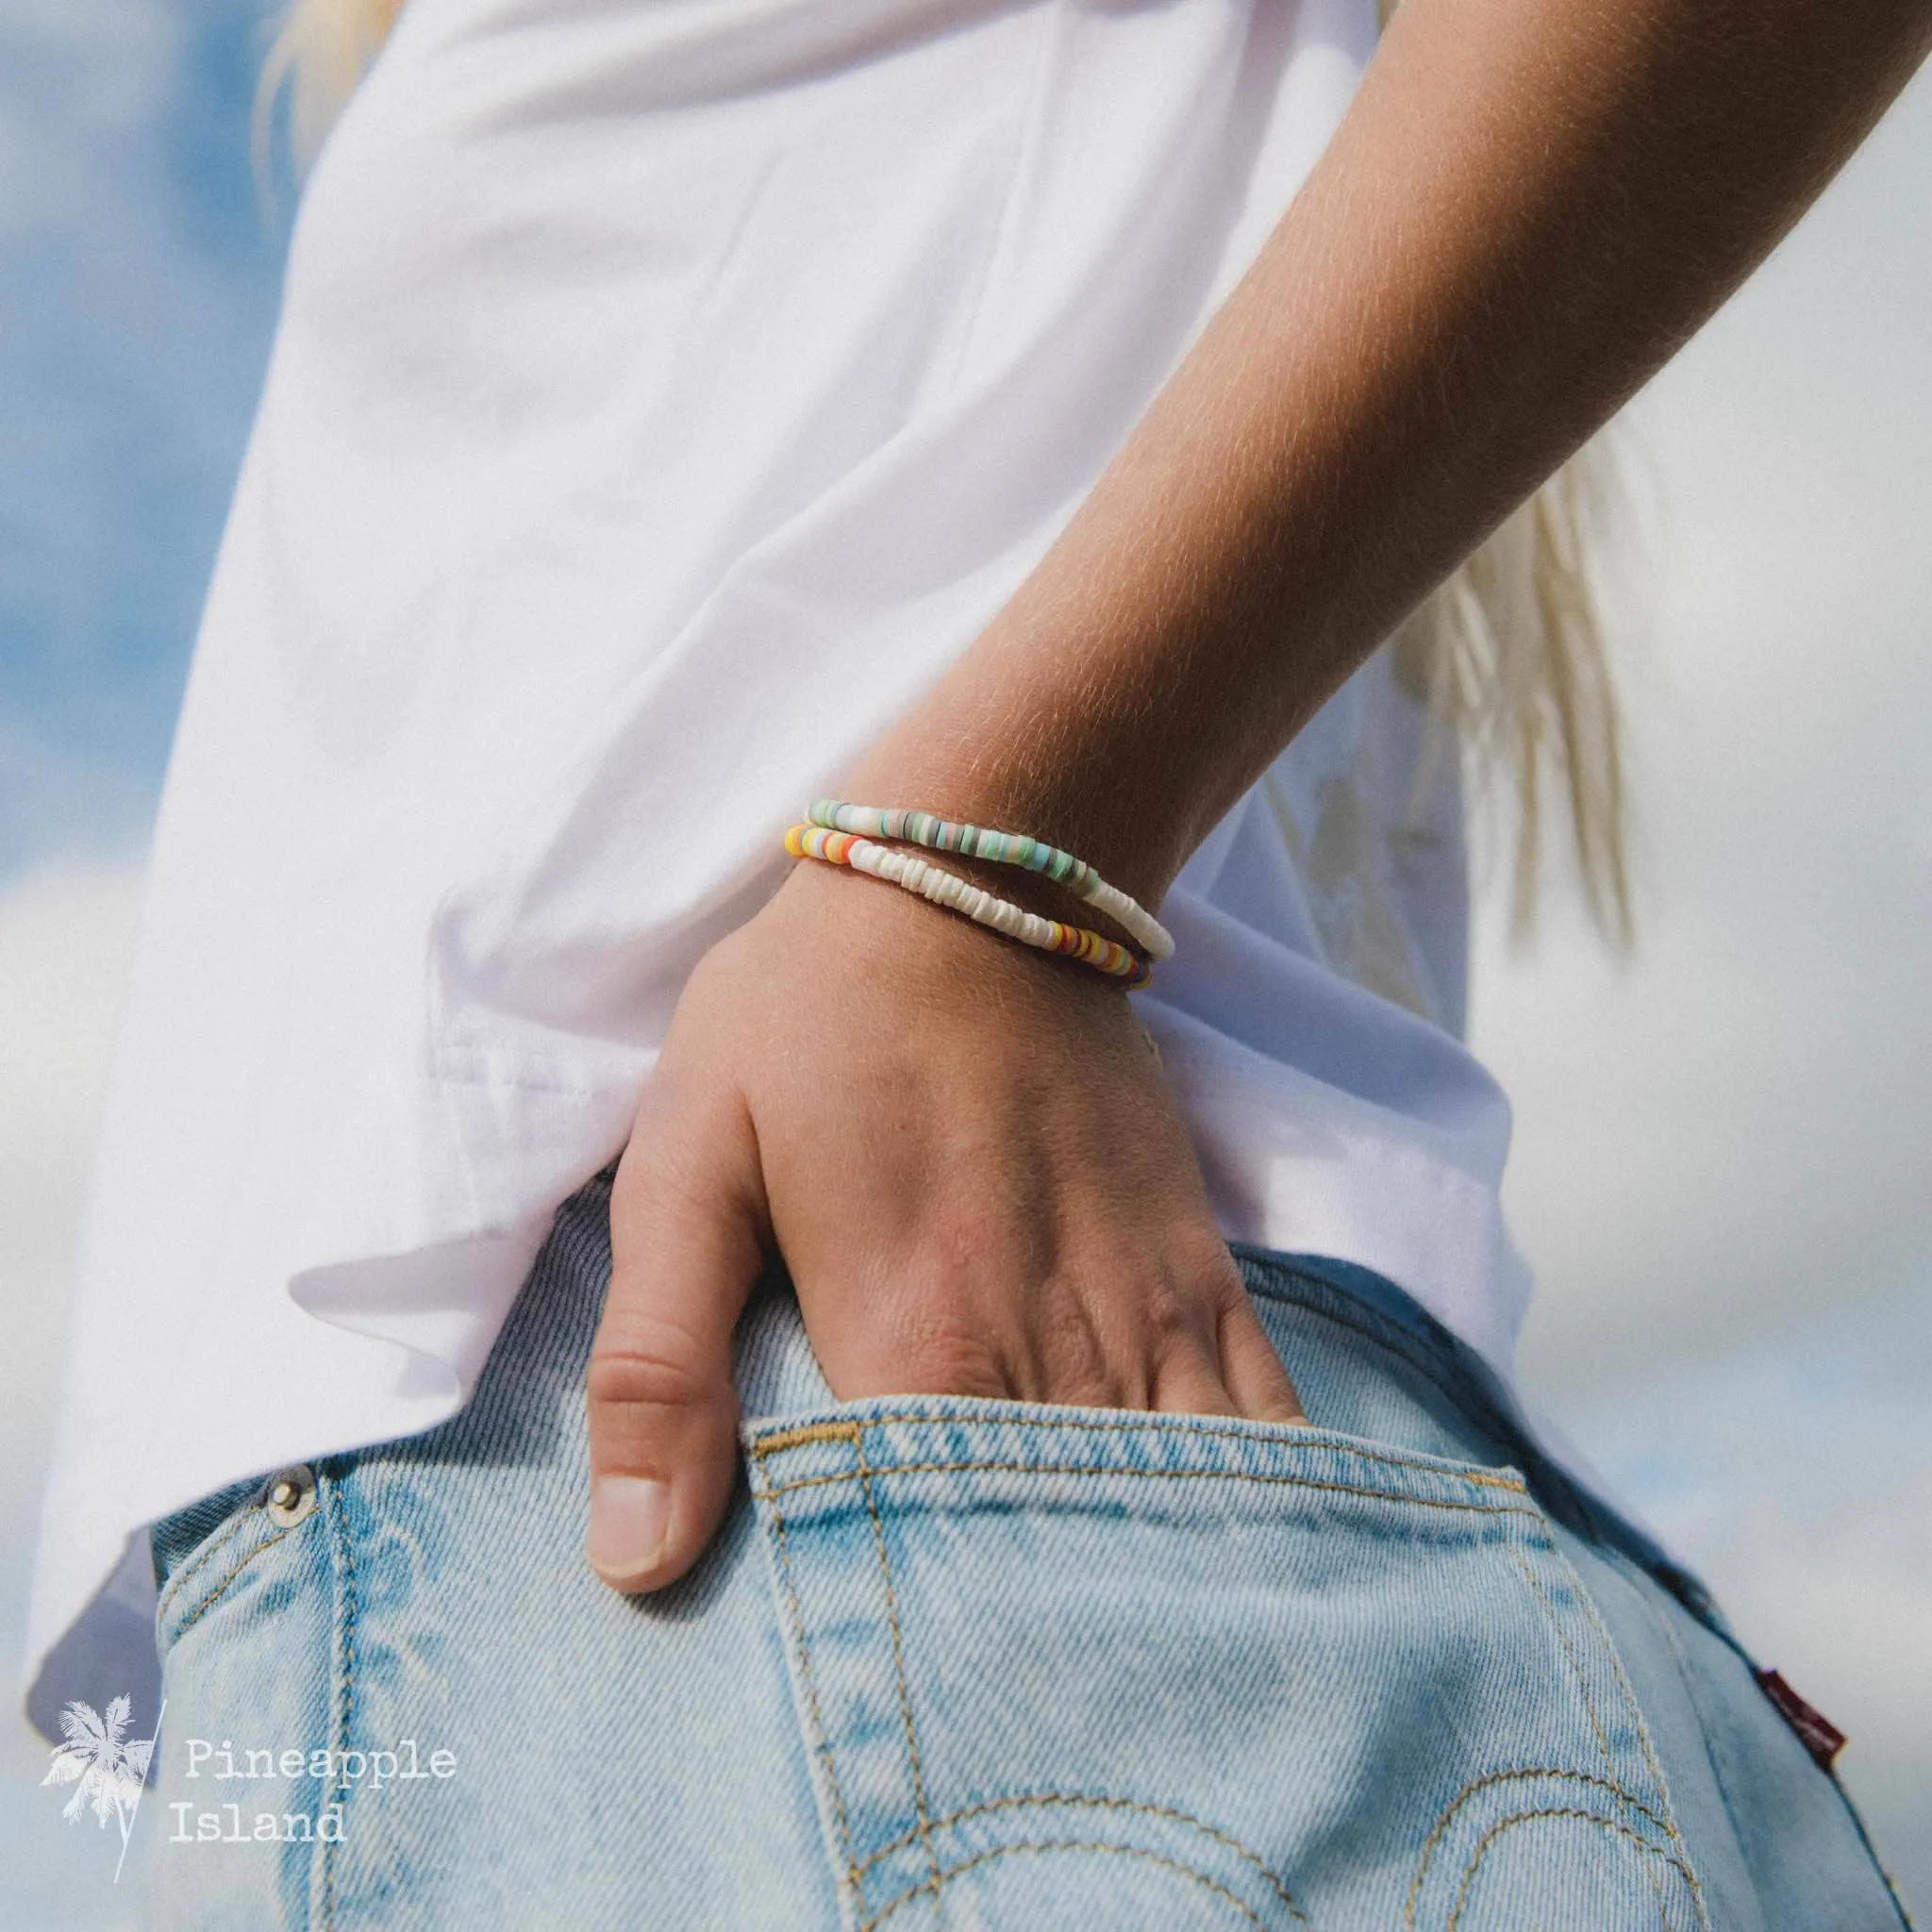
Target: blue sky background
{"x": 1721, "y": 1170}
{"x": 139, "y": 291}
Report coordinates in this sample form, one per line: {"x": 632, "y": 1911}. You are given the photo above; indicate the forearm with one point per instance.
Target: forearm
{"x": 1527, "y": 208}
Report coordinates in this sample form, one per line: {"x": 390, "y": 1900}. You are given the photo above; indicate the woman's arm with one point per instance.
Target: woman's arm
{"x": 963, "y": 1150}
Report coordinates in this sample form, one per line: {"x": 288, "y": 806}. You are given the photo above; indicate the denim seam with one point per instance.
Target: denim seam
{"x": 1650, "y": 1757}
{"x": 1891, "y": 1891}
{"x": 1523, "y": 1774}
{"x": 214, "y": 1596}
{"x": 849, "y": 1431}
{"x": 1569, "y": 1650}
{"x": 1624, "y": 1796}
{"x": 809, "y": 1675}
{"x": 1074, "y": 1844}
{"x": 1644, "y": 1739}
{"x": 346, "y": 1702}
{"x": 1103, "y": 1802}
{"x": 1212, "y": 1475}
{"x": 1707, "y": 1729}
{"x": 1667, "y": 1821}
{"x": 1596, "y": 1818}
{"x": 225, "y": 1535}
{"x": 878, "y": 1530}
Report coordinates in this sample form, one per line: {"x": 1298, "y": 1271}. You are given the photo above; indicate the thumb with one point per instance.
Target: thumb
{"x": 687, "y": 1236}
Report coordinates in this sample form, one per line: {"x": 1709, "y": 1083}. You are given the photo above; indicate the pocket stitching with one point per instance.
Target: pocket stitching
{"x": 809, "y": 1675}
{"x": 1497, "y": 1777}
{"x": 856, "y": 1869}
{"x": 1570, "y": 1656}
{"x": 221, "y": 1589}
{"x": 1650, "y": 1757}
{"x": 1471, "y": 1507}
{"x": 843, "y": 1430}
{"x": 1636, "y": 1581}
{"x": 1102, "y": 1801}
{"x": 1635, "y": 1714}
{"x": 1074, "y": 1844}
{"x": 1516, "y": 1818}
{"x": 218, "y": 1541}
{"x": 348, "y": 1616}
{"x": 919, "y": 1807}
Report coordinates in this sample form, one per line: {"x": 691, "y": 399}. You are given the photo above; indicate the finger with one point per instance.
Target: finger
{"x": 687, "y": 1225}
{"x": 1188, "y": 1382}
{"x": 1252, "y": 1370}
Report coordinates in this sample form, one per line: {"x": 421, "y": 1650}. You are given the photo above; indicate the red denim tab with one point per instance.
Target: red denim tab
{"x": 1816, "y": 1731}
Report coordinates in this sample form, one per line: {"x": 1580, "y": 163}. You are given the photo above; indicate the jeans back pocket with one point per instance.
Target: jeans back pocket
{"x": 1197, "y": 1672}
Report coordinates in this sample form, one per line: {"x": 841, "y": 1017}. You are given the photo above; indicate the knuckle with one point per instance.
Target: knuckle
{"x": 1074, "y": 1350}
{"x": 634, "y": 1381}
{"x": 649, "y": 1361}
{"x": 1182, "y": 1304}
{"x": 1169, "y": 1315}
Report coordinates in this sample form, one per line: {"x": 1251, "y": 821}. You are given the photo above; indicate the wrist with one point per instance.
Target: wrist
{"x": 1008, "y": 782}
{"x": 876, "y": 937}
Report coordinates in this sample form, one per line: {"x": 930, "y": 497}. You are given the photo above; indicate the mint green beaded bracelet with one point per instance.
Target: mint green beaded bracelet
{"x": 1002, "y": 848}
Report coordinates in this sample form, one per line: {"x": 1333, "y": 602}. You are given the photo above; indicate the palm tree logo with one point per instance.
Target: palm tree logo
{"x": 107, "y": 1768}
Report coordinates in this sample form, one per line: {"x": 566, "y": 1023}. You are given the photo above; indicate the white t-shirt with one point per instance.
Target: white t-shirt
{"x": 664, "y": 395}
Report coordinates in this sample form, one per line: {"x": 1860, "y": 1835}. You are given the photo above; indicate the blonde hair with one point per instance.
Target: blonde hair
{"x": 1510, "y": 649}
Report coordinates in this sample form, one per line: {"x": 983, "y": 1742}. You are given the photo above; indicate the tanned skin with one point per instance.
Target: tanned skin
{"x": 964, "y": 1150}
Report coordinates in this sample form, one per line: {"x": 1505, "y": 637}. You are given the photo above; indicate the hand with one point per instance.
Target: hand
{"x": 967, "y": 1155}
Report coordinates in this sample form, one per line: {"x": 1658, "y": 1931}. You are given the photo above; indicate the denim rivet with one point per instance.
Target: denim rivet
{"x": 291, "y": 1495}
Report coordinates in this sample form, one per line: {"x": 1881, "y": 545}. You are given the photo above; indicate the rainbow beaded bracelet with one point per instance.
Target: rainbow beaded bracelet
{"x": 1003, "y": 848}
{"x": 933, "y": 882}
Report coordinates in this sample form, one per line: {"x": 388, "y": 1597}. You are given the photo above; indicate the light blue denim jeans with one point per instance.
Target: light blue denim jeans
{"x": 976, "y": 1664}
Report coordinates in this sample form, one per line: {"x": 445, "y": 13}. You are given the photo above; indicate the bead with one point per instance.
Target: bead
{"x": 1002, "y": 848}
{"x": 836, "y": 846}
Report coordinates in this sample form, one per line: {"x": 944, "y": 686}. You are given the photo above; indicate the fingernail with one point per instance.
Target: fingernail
{"x": 631, "y": 1517}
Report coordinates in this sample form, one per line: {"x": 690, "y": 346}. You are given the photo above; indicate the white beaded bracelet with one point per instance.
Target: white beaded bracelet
{"x": 1003, "y": 848}
{"x": 942, "y": 888}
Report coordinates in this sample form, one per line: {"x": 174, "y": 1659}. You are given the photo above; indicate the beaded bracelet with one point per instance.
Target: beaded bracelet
{"x": 1003, "y": 848}
{"x": 942, "y": 888}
